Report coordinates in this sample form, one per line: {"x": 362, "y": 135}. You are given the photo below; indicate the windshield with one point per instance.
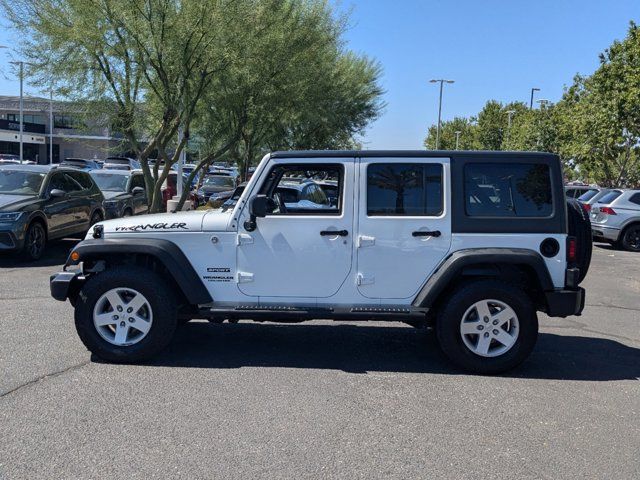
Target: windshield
{"x": 14, "y": 182}
{"x": 219, "y": 181}
{"x": 111, "y": 182}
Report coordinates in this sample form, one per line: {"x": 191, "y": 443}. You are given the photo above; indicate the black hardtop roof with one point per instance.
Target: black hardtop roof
{"x": 488, "y": 154}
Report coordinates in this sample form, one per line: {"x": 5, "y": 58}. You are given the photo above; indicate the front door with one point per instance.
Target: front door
{"x": 303, "y": 247}
{"x": 404, "y": 224}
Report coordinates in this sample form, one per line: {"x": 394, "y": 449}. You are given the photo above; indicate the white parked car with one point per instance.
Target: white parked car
{"x": 615, "y": 218}
{"x": 473, "y": 243}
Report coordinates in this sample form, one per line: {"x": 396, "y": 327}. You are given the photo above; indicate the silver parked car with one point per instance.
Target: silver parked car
{"x": 592, "y": 196}
{"x": 615, "y": 218}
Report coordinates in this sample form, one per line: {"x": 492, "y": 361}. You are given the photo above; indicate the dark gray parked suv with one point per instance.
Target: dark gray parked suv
{"x": 123, "y": 191}
{"x": 39, "y": 203}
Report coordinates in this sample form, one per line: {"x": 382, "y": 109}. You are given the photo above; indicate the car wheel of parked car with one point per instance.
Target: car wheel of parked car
{"x": 487, "y": 327}
{"x": 630, "y": 238}
{"x": 95, "y": 218}
{"x": 34, "y": 242}
{"x": 126, "y": 315}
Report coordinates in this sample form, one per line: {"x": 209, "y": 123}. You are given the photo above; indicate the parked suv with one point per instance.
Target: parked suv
{"x": 124, "y": 192}
{"x": 39, "y": 203}
{"x": 81, "y": 164}
{"x": 473, "y": 243}
{"x": 615, "y": 218}
{"x": 120, "y": 163}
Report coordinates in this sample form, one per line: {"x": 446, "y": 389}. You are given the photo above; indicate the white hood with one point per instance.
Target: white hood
{"x": 169, "y": 222}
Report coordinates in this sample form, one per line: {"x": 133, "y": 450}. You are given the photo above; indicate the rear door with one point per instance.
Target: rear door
{"x": 404, "y": 224}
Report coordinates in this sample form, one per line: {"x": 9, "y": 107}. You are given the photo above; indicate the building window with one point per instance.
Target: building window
{"x": 65, "y": 121}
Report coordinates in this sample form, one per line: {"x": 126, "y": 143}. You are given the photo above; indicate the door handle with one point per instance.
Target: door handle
{"x": 419, "y": 233}
{"x": 332, "y": 233}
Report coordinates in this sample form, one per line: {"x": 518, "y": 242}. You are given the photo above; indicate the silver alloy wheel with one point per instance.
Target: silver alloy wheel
{"x": 122, "y": 316}
{"x": 489, "y": 328}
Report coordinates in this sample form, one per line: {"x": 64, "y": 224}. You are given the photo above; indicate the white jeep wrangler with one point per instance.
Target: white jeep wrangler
{"x": 472, "y": 243}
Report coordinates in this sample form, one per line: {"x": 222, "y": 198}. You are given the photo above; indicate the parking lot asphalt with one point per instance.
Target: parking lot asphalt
{"x": 319, "y": 399}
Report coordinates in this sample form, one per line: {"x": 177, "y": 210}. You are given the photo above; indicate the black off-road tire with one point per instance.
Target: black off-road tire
{"x": 160, "y": 298}
{"x": 451, "y": 313}
{"x": 580, "y": 228}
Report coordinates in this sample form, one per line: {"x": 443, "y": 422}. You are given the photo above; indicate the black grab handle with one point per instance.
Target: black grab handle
{"x": 434, "y": 233}
{"x": 331, "y": 233}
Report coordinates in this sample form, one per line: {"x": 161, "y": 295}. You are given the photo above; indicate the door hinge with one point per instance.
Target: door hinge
{"x": 366, "y": 241}
{"x": 364, "y": 280}
{"x": 244, "y": 239}
{"x": 244, "y": 277}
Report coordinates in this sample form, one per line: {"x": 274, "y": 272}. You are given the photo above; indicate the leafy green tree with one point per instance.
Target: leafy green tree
{"x": 467, "y": 137}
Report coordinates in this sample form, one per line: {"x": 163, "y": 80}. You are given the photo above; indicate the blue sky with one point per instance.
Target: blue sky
{"x": 493, "y": 49}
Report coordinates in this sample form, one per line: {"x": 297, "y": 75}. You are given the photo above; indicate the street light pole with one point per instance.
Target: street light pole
{"x": 50, "y": 126}
{"x": 442, "y": 81}
{"x": 509, "y": 114}
{"x": 534, "y": 89}
{"x": 458, "y": 132}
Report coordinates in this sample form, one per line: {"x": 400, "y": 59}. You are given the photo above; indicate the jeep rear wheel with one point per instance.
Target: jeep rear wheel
{"x": 126, "y": 314}
{"x": 487, "y": 327}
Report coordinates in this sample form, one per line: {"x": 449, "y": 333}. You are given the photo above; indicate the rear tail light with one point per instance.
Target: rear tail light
{"x": 572, "y": 249}
{"x": 587, "y": 207}
{"x": 608, "y": 210}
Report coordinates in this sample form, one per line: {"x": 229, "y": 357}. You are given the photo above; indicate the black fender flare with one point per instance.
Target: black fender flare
{"x": 165, "y": 251}
{"x": 455, "y": 263}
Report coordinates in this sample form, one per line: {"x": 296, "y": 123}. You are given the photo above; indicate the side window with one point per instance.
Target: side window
{"x": 137, "y": 181}
{"x": 404, "y": 189}
{"x": 297, "y": 189}
{"x": 81, "y": 178}
{"x": 635, "y": 198}
{"x": 62, "y": 181}
{"x": 507, "y": 190}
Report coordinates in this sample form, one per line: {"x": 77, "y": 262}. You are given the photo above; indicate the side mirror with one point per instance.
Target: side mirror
{"x": 259, "y": 206}
{"x": 137, "y": 190}
{"x": 57, "y": 193}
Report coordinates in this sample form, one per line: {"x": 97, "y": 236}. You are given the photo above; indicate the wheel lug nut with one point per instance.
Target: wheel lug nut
{"x": 486, "y": 319}
{"x": 131, "y": 319}
{"x": 129, "y": 310}
{"x": 495, "y": 332}
{"x": 119, "y": 308}
{"x": 486, "y": 334}
{"x": 495, "y": 322}
{"x": 116, "y": 317}
{"x": 122, "y": 324}
{"x": 480, "y": 327}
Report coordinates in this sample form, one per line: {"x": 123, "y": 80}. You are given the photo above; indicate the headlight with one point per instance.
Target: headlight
{"x": 9, "y": 216}
{"x": 110, "y": 203}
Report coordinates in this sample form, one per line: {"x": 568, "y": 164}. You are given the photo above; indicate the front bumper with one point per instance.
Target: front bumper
{"x": 564, "y": 303}
{"x": 602, "y": 233}
{"x": 63, "y": 283}
{"x": 12, "y": 236}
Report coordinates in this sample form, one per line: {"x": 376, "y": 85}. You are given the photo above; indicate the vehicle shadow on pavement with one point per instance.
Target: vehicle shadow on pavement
{"x": 362, "y": 349}
{"x": 55, "y": 253}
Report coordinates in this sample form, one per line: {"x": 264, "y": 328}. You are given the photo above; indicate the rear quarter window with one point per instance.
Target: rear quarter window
{"x": 508, "y": 190}
{"x": 610, "y": 197}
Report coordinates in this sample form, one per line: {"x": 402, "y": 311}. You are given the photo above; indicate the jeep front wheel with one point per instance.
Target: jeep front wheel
{"x": 126, "y": 314}
{"x": 487, "y": 327}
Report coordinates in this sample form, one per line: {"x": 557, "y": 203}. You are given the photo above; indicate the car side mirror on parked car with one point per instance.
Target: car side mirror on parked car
{"x": 137, "y": 190}
{"x": 259, "y": 206}
{"x": 57, "y": 193}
